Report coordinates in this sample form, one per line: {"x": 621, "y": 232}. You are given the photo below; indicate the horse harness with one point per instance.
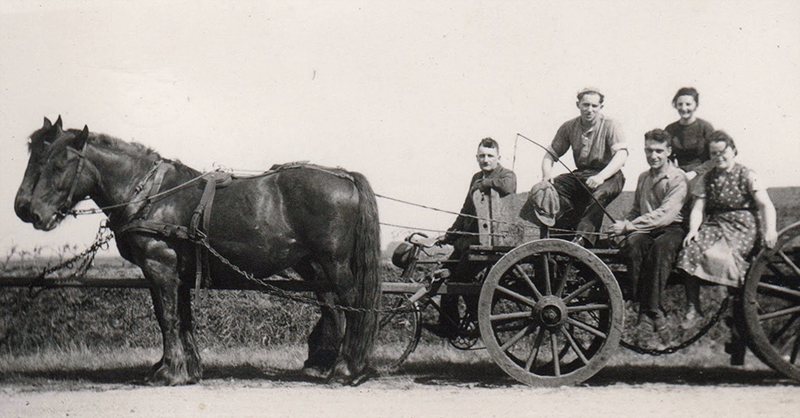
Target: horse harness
{"x": 197, "y": 230}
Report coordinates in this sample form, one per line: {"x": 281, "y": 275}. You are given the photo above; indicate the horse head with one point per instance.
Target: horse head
{"x": 38, "y": 142}
{"x": 62, "y": 181}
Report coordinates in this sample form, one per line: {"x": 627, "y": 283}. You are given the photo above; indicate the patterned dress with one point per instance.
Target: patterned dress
{"x": 730, "y": 230}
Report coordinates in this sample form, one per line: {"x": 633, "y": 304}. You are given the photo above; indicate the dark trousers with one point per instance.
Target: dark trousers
{"x": 462, "y": 272}
{"x": 578, "y": 210}
{"x": 650, "y": 257}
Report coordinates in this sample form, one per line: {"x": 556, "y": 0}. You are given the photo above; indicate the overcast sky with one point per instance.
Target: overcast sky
{"x": 399, "y": 91}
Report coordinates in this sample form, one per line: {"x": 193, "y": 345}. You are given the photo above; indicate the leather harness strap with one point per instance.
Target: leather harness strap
{"x": 198, "y": 226}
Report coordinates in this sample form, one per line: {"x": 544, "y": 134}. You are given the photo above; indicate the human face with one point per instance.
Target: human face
{"x": 686, "y": 106}
{"x": 657, "y": 153}
{"x": 590, "y": 106}
{"x": 722, "y": 155}
{"x": 487, "y": 158}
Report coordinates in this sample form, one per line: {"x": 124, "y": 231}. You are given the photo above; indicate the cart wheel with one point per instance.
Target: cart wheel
{"x": 771, "y": 304}
{"x": 398, "y": 334}
{"x": 550, "y": 313}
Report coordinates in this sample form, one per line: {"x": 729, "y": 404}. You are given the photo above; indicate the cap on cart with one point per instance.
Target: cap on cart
{"x": 544, "y": 199}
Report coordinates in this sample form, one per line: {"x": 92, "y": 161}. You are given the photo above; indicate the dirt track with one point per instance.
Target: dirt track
{"x": 651, "y": 391}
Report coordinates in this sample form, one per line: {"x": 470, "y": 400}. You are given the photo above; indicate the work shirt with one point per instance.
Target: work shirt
{"x": 659, "y": 199}
{"x": 501, "y": 179}
{"x": 592, "y": 149}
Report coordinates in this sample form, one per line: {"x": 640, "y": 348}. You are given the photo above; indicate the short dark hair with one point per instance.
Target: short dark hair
{"x": 489, "y": 143}
{"x": 659, "y": 135}
{"x": 686, "y": 91}
{"x": 586, "y": 91}
{"x": 722, "y": 136}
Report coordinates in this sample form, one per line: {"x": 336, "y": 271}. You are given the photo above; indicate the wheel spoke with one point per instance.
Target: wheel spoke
{"x": 563, "y": 278}
{"x": 779, "y": 289}
{"x": 548, "y": 287}
{"x": 554, "y": 349}
{"x": 789, "y": 261}
{"x": 521, "y": 274}
{"x": 575, "y": 347}
{"x": 775, "y": 336}
{"x": 516, "y": 296}
{"x": 586, "y": 327}
{"x": 578, "y": 291}
{"x": 510, "y": 316}
{"x": 795, "y": 349}
{"x": 518, "y": 336}
{"x": 778, "y": 313}
{"x": 537, "y": 343}
{"x": 589, "y": 307}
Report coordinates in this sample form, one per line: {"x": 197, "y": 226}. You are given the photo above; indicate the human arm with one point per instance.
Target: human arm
{"x": 767, "y": 211}
{"x": 695, "y": 219}
{"x": 557, "y": 148}
{"x": 616, "y": 163}
{"x": 616, "y": 145}
{"x": 669, "y": 209}
{"x": 502, "y": 180}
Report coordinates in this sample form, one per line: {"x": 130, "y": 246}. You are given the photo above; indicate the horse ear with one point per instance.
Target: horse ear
{"x": 58, "y": 122}
{"x": 47, "y": 124}
{"x": 81, "y": 139}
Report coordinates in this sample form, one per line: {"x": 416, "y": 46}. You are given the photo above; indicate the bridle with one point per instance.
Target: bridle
{"x": 67, "y": 204}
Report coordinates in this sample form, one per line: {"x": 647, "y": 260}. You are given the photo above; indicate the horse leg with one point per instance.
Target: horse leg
{"x": 325, "y": 339}
{"x": 158, "y": 308}
{"x": 164, "y": 277}
{"x": 193, "y": 363}
{"x": 352, "y": 363}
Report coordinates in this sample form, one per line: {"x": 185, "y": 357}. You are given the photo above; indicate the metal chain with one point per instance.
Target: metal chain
{"x": 102, "y": 238}
{"x": 276, "y": 291}
{"x": 675, "y": 348}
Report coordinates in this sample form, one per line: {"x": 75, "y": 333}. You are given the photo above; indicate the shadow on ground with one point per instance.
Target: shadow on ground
{"x": 480, "y": 374}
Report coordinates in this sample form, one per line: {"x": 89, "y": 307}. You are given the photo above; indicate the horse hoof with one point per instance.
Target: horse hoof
{"x": 163, "y": 377}
{"x": 363, "y": 377}
{"x": 316, "y": 372}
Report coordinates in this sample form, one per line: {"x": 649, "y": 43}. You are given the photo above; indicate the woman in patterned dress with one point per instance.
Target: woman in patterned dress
{"x": 730, "y": 197}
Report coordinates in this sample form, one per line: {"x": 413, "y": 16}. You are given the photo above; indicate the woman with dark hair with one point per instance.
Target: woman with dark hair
{"x": 731, "y": 200}
{"x": 690, "y": 134}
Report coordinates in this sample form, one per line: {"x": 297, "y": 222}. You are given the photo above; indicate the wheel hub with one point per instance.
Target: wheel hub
{"x": 550, "y": 311}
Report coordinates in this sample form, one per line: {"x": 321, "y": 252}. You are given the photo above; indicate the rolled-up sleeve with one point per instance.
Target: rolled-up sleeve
{"x": 616, "y": 140}
{"x": 560, "y": 143}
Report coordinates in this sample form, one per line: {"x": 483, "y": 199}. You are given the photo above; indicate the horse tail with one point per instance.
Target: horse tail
{"x": 365, "y": 262}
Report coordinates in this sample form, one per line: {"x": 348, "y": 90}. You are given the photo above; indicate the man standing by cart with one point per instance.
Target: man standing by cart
{"x": 464, "y": 231}
{"x": 654, "y": 227}
{"x": 599, "y": 150}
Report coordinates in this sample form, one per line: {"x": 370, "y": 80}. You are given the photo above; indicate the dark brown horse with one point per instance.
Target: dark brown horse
{"x": 321, "y": 222}
{"x": 38, "y": 142}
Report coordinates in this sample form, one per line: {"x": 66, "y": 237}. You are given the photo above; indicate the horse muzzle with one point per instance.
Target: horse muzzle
{"x": 46, "y": 222}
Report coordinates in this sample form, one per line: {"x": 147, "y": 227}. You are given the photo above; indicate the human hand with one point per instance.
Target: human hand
{"x": 617, "y": 228}
{"x": 690, "y": 175}
{"x": 440, "y": 240}
{"x": 770, "y": 238}
{"x": 477, "y": 185}
{"x": 690, "y": 237}
{"x": 594, "y": 182}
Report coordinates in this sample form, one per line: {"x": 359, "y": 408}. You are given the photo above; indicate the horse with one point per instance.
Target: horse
{"x": 38, "y": 142}
{"x": 321, "y": 222}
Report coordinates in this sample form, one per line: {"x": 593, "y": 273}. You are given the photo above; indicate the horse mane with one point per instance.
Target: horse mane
{"x": 134, "y": 149}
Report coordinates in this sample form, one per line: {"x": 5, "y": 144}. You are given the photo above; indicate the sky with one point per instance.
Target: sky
{"x": 399, "y": 91}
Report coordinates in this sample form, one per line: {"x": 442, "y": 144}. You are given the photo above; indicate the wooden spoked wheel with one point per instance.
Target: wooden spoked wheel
{"x": 399, "y": 331}
{"x": 771, "y": 304}
{"x": 550, "y": 313}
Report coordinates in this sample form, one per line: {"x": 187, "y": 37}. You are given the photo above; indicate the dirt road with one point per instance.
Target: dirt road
{"x": 652, "y": 393}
